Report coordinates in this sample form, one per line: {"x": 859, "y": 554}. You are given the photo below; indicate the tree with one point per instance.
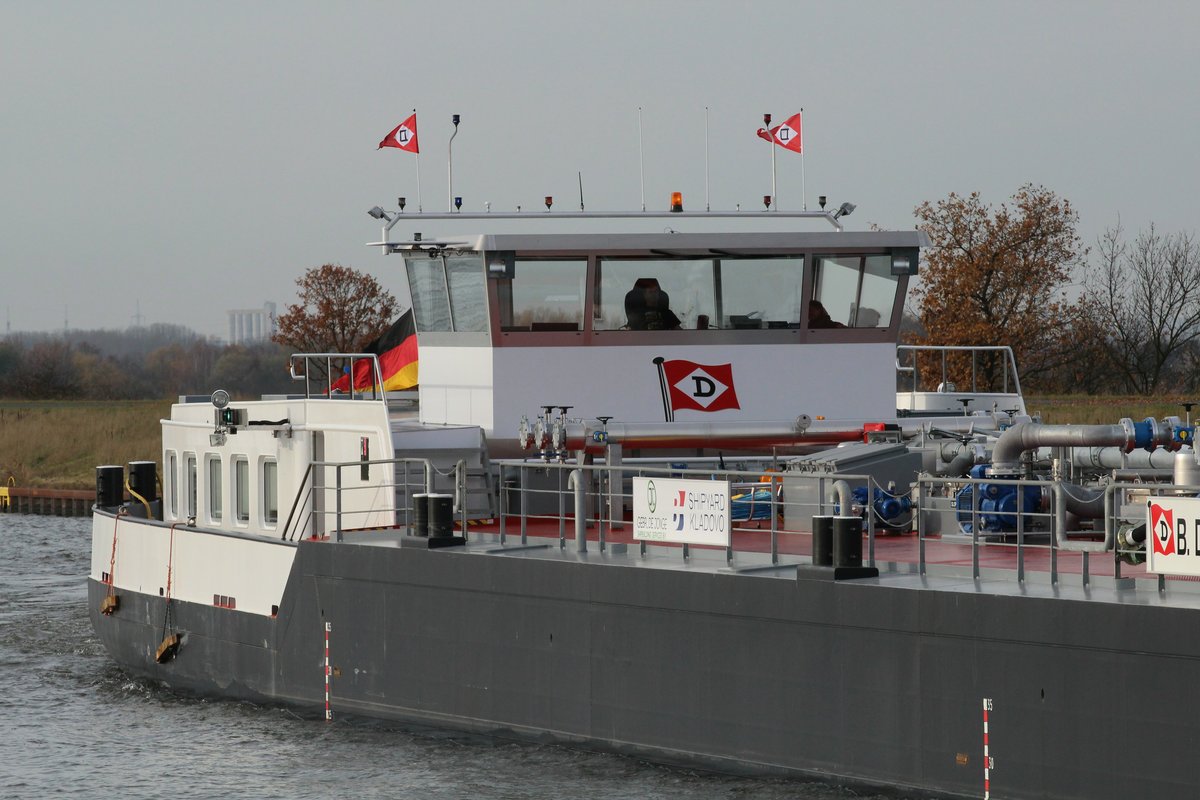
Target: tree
{"x": 1148, "y": 301}
{"x": 996, "y": 276}
{"x": 339, "y": 310}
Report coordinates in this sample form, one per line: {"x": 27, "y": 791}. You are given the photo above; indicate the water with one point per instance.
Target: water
{"x": 75, "y": 725}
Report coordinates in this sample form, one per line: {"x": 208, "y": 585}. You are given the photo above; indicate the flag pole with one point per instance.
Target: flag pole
{"x": 803, "y": 192}
{"x": 418, "y": 155}
{"x": 707, "y": 207}
{"x": 641, "y": 160}
{"x": 771, "y": 139}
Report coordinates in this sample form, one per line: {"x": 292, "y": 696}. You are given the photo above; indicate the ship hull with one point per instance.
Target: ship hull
{"x": 879, "y": 681}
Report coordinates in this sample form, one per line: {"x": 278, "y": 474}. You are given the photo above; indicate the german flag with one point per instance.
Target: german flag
{"x": 397, "y": 351}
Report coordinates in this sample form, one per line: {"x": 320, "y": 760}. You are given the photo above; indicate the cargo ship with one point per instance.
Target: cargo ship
{"x": 681, "y": 495}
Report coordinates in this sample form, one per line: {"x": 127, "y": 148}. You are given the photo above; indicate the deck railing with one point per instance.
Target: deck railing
{"x": 309, "y": 516}
{"x": 321, "y": 371}
{"x": 584, "y": 506}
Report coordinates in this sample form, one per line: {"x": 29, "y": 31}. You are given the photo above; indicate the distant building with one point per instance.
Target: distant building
{"x": 252, "y": 326}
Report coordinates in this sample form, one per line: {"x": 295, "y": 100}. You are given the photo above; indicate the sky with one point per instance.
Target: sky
{"x": 177, "y": 160}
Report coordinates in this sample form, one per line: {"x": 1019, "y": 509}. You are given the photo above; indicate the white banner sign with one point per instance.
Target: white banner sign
{"x": 1171, "y": 527}
{"x": 684, "y": 512}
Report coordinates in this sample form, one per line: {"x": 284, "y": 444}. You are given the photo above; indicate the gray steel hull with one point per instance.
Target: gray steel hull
{"x": 879, "y": 681}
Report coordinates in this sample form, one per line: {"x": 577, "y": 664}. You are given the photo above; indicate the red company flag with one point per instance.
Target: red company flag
{"x": 700, "y": 387}
{"x": 787, "y": 134}
{"x": 403, "y": 136}
{"x": 1162, "y": 529}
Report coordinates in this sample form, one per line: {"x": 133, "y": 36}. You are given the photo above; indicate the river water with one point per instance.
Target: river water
{"x": 75, "y": 725}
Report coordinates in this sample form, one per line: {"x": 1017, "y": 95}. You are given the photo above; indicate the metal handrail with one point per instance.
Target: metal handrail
{"x": 604, "y": 488}
{"x": 306, "y": 373}
{"x": 1010, "y": 363}
{"x": 303, "y": 496}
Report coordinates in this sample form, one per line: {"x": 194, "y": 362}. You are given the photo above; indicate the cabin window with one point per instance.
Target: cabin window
{"x": 543, "y": 295}
{"x": 172, "y": 483}
{"x": 448, "y": 293}
{"x": 648, "y": 294}
{"x": 855, "y": 291}
{"x": 761, "y": 292}
{"x": 270, "y": 487}
{"x": 699, "y": 294}
{"x": 241, "y": 488}
{"x": 468, "y": 300}
{"x": 878, "y": 293}
{"x": 190, "y": 469}
{"x": 214, "y": 488}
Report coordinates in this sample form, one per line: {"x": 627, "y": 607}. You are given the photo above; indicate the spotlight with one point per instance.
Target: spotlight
{"x": 845, "y": 210}
{"x": 379, "y": 213}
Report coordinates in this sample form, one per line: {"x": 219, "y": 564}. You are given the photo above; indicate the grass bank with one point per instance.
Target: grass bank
{"x": 59, "y": 444}
{"x": 1104, "y": 409}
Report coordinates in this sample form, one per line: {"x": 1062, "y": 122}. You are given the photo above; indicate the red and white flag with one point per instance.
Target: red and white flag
{"x": 700, "y": 387}
{"x": 787, "y": 134}
{"x": 403, "y": 136}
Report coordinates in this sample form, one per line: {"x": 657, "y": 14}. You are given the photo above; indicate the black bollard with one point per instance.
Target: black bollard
{"x": 847, "y": 541}
{"x": 441, "y": 515}
{"x": 822, "y": 541}
{"x": 110, "y": 485}
{"x": 420, "y": 514}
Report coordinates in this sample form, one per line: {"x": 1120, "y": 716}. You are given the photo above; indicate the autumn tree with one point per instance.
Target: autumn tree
{"x": 339, "y": 310}
{"x": 998, "y": 276}
{"x": 1147, "y": 296}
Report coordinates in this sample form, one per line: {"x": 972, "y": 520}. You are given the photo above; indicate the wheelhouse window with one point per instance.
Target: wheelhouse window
{"x": 241, "y": 488}
{"x": 214, "y": 488}
{"x": 543, "y": 295}
{"x": 853, "y": 292}
{"x": 448, "y": 292}
{"x": 699, "y": 294}
{"x": 270, "y": 489}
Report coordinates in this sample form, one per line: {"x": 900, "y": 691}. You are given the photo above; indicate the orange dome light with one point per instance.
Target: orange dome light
{"x": 677, "y": 201}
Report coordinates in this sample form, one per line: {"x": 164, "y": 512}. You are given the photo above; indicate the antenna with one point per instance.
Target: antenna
{"x": 581, "y": 191}
{"x": 641, "y": 161}
{"x": 450, "y": 162}
{"x": 707, "y": 206}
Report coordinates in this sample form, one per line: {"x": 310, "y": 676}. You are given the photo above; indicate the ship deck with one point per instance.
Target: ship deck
{"x": 1003, "y": 567}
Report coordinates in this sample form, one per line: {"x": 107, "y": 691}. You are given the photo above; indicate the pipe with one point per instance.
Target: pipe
{"x": 575, "y": 482}
{"x": 1083, "y": 502}
{"x": 1113, "y": 458}
{"x": 958, "y": 457}
{"x": 753, "y": 434}
{"x": 1025, "y": 436}
{"x": 649, "y": 435}
{"x": 845, "y": 496}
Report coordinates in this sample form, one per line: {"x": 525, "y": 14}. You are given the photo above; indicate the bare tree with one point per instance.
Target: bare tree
{"x": 1148, "y": 296}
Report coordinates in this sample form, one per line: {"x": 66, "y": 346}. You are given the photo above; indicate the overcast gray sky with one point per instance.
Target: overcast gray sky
{"x": 198, "y": 157}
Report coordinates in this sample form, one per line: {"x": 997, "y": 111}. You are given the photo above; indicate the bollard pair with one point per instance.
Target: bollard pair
{"x": 433, "y": 515}
{"x": 837, "y": 541}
